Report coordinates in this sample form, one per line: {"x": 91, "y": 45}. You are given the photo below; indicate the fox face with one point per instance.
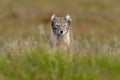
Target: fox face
{"x": 60, "y": 25}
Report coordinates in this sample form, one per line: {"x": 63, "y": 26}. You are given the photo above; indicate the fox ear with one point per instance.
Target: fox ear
{"x": 68, "y": 18}
{"x": 53, "y": 17}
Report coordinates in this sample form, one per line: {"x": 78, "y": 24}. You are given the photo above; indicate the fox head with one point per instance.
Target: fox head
{"x": 60, "y": 25}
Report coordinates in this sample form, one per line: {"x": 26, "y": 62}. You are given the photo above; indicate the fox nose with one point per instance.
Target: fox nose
{"x": 61, "y": 32}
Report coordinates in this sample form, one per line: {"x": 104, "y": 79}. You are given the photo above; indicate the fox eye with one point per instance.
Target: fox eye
{"x": 57, "y": 25}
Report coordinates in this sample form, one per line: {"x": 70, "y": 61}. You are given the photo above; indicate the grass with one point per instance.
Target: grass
{"x": 25, "y": 30}
{"x": 40, "y": 64}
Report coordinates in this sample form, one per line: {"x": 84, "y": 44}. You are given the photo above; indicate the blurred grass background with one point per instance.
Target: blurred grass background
{"x": 20, "y": 17}
{"x": 25, "y": 31}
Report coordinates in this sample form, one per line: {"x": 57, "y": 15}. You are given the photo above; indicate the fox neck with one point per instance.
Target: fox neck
{"x": 65, "y": 37}
{"x": 61, "y": 40}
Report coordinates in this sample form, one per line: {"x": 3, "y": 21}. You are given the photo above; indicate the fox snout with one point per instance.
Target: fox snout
{"x": 61, "y": 32}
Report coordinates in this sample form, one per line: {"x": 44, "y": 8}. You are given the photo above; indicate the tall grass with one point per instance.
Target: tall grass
{"x": 31, "y": 59}
{"x": 44, "y": 64}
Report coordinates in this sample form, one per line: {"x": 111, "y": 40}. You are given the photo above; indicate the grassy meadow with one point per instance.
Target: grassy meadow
{"x": 95, "y": 40}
